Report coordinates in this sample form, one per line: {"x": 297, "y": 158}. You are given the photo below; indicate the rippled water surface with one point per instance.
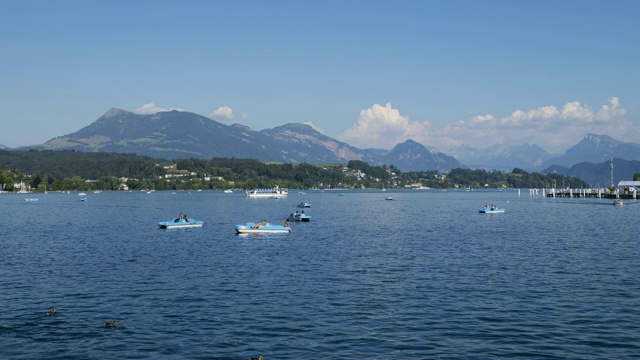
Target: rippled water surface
{"x": 422, "y": 276}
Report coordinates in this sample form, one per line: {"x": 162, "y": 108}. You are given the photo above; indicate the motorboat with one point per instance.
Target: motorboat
{"x": 274, "y": 192}
{"x": 296, "y": 216}
{"x": 389, "y": 198}
{"x": 617, "y": 202}
{"x": 31, "y": 199}
{"x": 491, "y": 210}
{"x": 304, "y": 204}
{"x": 178, "y": 223}
{"x": 228, "y": 191}
{"x": 252, "y": 228}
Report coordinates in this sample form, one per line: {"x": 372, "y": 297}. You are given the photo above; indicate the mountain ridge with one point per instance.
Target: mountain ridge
{"x": 180, "y": 134}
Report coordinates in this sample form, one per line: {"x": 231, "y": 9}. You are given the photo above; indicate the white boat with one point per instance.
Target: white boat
{"x": 251, "y": 228}
{"x": 491, "y": 210}
{"x": 82, "y": 194}
{"x": 23, "y": 188}
{"x": 275, "y": 192}
{"x": 617, "y": 202}
{"x": 228, "y": 191}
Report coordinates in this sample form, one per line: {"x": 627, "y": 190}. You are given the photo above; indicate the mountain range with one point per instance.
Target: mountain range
{"x": 178, "y": 134}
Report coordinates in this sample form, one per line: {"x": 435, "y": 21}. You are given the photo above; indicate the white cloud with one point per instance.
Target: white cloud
{"x": 223, "y": 112}
{"x": 553, "y": 128}
{"x": 549, "y": 127}
{"x": 383, "y": 127}
{"x": 151, "y": 108}
{"x": 316, "y": 128}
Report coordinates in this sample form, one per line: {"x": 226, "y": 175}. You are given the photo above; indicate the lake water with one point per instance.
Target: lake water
{"x": 423, "y": 276}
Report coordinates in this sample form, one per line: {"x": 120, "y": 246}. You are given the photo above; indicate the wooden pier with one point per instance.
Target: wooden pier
{"x": 583, "y": 193}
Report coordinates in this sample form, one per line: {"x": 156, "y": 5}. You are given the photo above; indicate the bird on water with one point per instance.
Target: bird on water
{"x": 111, "y": 324}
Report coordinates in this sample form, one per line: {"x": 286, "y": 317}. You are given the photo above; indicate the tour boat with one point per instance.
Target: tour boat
{"x": 275, "y": 192}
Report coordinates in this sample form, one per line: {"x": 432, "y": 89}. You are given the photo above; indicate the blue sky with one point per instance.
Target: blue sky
{"x": 371, "y": 73}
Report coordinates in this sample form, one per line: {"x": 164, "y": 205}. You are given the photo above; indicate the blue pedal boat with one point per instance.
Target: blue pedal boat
{"x": 299, "y": 217}
{"x": 178, "y": 223}
{"x": 250, "y": 228}
{"x": 491, "y": 210}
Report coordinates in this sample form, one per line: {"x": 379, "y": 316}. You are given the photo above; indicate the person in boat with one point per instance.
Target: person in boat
{"x": 185, "y": 218}
{"x": 257, "y": 225}
{"x": 286, "y": 223}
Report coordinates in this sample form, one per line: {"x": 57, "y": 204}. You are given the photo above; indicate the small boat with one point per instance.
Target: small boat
{"x": 389, "y": 198}
{"x": 53, "y": 312}
{"x": 178, "y": 223}
{"x": 249, "y": 228}
{"x": 112, "y": 324}
{"x": 299, "y": 217}
{"x": 228, "y": 191}
{"x": 23, "y": 188}
{"x": 491, "y": 210}
{"x": 82, "y": 194}
{"x": 31, "y": 199}
{"x": 617, "y": 202}
{"x": 83, "y": 199}
{"x": 304, "y": 204}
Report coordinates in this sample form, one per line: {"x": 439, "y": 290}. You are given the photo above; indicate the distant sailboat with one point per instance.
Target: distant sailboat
{"x": 617, "y": 201}
{"x": 23, "y": 188}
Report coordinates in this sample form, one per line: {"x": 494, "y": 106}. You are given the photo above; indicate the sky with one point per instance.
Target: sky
{"x": 370, "y": 73}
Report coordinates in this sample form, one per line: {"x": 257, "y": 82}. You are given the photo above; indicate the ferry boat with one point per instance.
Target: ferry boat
{"x": 275, "y": 192}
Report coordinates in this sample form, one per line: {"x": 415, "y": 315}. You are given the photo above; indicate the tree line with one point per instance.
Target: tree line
{"x": 74, "y": 170}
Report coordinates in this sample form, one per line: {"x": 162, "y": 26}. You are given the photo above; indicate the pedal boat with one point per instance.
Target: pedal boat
{"x": 180, "y": 223}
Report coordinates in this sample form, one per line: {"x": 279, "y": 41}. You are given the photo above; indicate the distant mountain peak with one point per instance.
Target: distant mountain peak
{"x": 115, "y": 112}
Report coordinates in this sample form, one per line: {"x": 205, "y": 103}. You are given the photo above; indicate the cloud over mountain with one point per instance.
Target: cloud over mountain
{"x": 548, "y": 126}
{"x": 223, "y": 113}
{"x": 384, "y": 127}
{"x": 151, "y": 108}
{"x": 553, "y": 128}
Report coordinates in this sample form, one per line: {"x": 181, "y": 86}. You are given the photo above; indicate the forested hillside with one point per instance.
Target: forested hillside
{"x": 72, "y": 170}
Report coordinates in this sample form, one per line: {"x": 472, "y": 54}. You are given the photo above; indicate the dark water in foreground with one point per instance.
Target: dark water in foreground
{"x": 424, "y": 276}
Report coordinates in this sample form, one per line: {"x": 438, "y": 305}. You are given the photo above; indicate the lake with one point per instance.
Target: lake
{"x": 423, "y": 276}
